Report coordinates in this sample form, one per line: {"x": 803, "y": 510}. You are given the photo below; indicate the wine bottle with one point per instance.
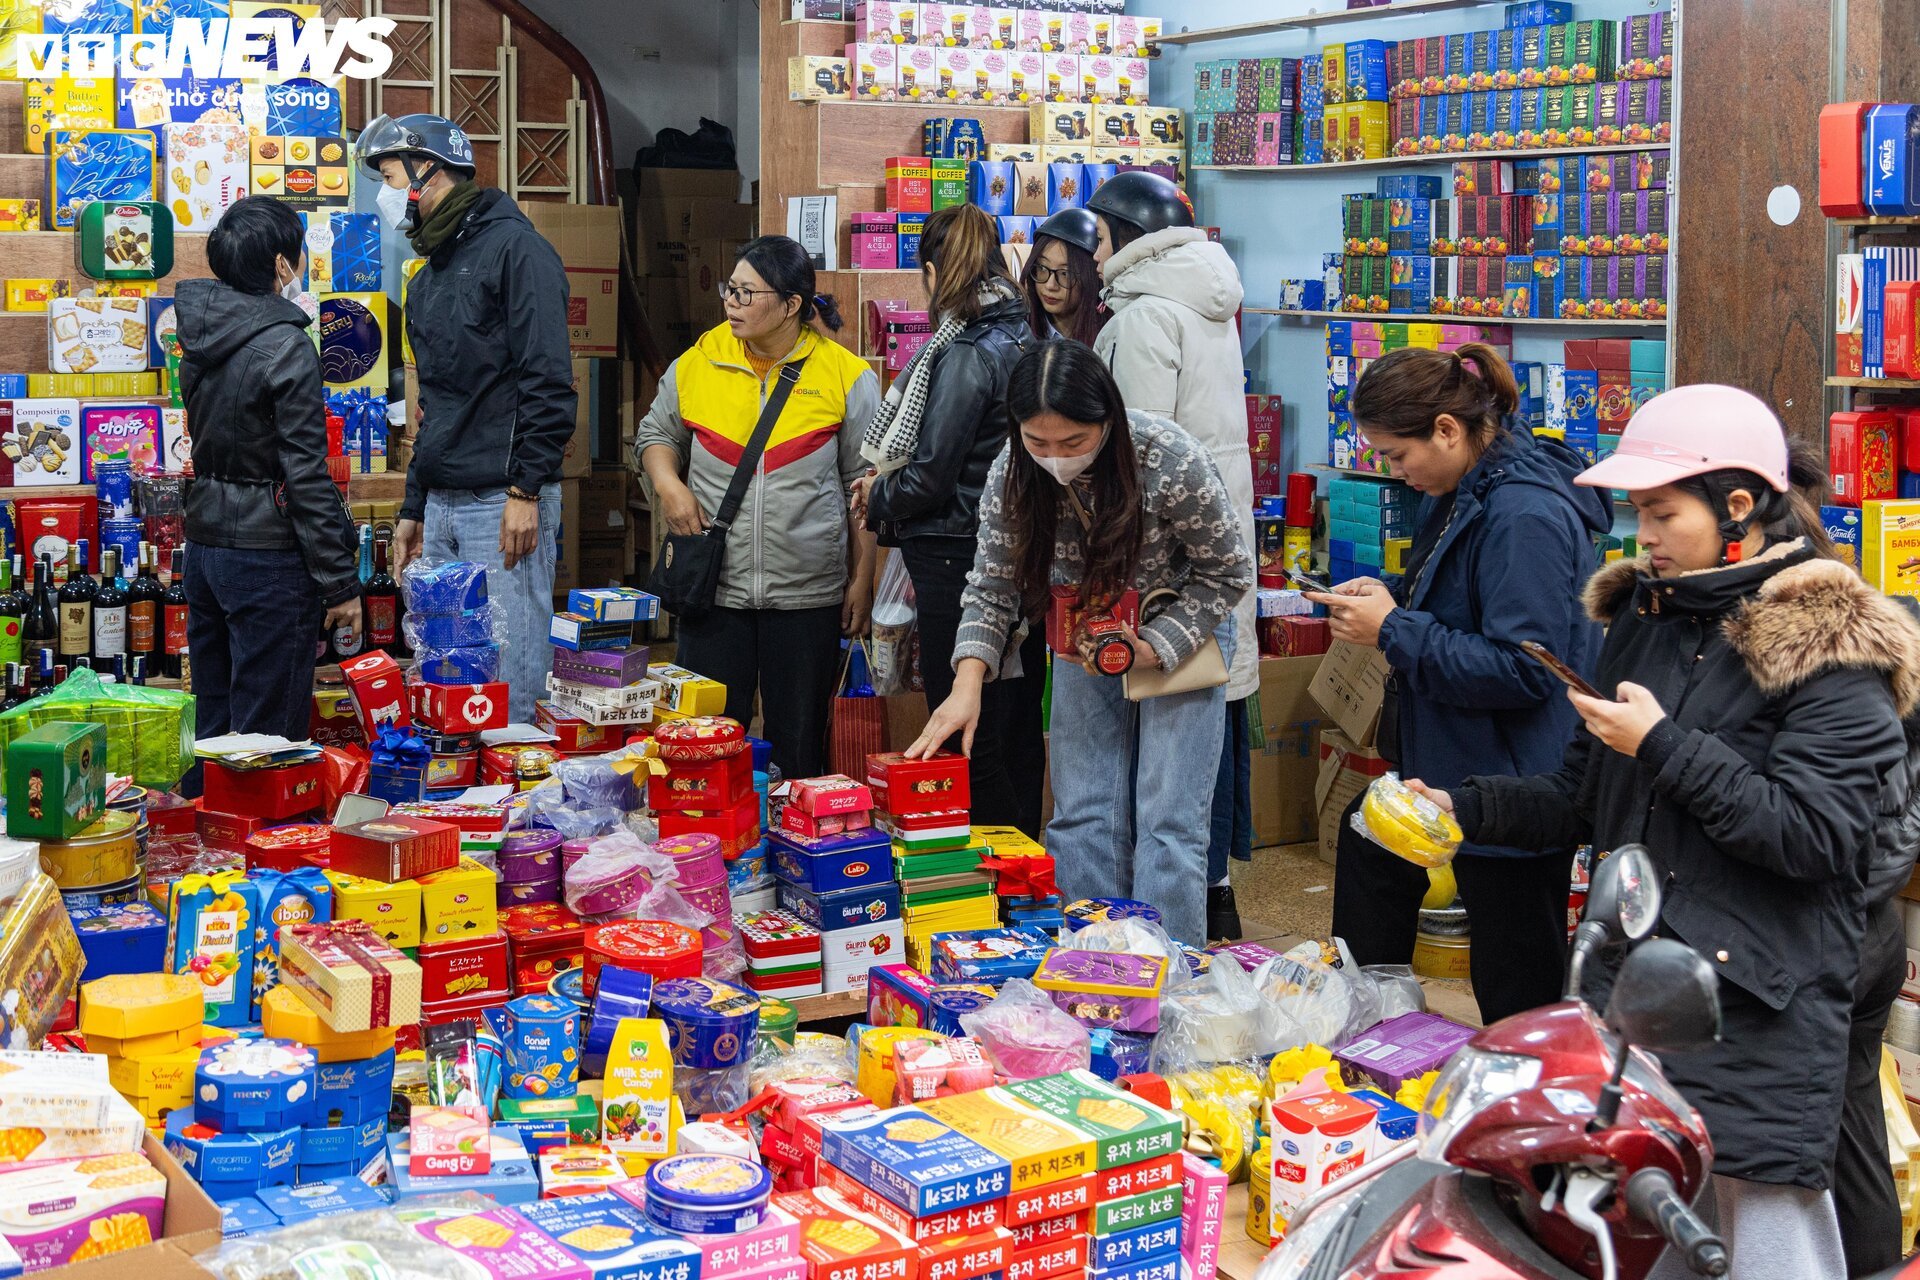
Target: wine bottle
{"x": 13, "y": 612}
{"x": 173, "y": 626}
{"x": 43, "y": 614}
{"x": 109, "y": 613}
{"x": 76, "y": 606}
{"x": 383, "y": 604}
{"x": 16, "y": 687}
{"x": 143, "y": 607}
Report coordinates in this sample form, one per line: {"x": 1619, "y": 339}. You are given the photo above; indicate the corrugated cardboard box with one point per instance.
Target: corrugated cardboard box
{"x": 587, "y": 237}
{"x": 709, "y": 265}
{"x": 191, "y": 1225}
{"x": 1350, "y": 686}
{"x": 603, "y": 504}
{"x": 1345, "y": 771}
{"x": 578, "y": 459}
{"x": 1285, "y": 763}
{"x": 566, "y": 563}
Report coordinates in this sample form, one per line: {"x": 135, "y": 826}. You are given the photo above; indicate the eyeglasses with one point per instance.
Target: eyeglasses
{"x": 1061, "y": 276}
{"x": 741, "y": 296}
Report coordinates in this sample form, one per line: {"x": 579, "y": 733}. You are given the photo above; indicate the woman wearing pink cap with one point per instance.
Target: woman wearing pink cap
{"x": 1752, "y": 743}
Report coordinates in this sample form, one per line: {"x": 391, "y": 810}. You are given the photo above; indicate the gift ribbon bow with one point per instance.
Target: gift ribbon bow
{"x": 643, "y": 757}
{"x": 396, "y": 747}
{"x": 219, "y": 881}
{"x": 352, "y": 941}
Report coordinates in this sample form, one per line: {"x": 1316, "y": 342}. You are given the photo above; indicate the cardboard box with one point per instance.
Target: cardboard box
{"x": 566, "y": 563}
{"x": 1350, "y": 686}
{"x": 1284, "y": 761}
{"x": 587, "y": 237}
{"x": 1345, "y": 771}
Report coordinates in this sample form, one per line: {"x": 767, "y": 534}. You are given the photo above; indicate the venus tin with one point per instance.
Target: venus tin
{"x": 710, "y": 1024}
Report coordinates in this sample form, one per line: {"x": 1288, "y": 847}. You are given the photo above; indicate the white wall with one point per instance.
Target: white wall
{"x": 708, "y": 65}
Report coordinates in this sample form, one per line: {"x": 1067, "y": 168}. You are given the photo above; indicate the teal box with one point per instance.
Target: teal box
{"x": 1647, "y": 355}
{"x": 304, "y": 896}
{"x": 542, "y": 1038}
{"x": 212, "y": 920}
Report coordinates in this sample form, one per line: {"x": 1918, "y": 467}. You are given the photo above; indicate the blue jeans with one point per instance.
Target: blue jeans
{"x": 1232, "y": 795}
{"x": 1133, "y": 790}
{"x": 463, "y": 524}
{"x": 253, "y": 618}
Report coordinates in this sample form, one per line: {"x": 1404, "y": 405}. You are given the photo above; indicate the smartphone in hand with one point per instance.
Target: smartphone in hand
{"x": 1568, "y": 676}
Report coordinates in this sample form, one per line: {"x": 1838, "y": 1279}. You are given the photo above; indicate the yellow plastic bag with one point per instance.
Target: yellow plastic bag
{"x": 1401, "y": 820}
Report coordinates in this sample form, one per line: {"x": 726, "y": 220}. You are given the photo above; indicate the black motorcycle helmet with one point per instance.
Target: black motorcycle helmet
{"x": 1142, "y": 199}
{"x": 1077, "y": 227}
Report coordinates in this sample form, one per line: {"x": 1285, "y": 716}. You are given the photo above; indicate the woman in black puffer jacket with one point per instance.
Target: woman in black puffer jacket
{"x": 1755, "y": 742}
{"x": 927, "y": 504}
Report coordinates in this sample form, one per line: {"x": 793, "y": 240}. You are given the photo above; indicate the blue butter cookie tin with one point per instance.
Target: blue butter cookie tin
{"x": 710, "y": 1024}
{"x": 1089, "y": 910}
{"x": 707, "y": 1194}
{"x": 946, "y": 1003}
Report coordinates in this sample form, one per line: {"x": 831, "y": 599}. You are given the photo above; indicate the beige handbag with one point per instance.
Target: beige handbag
{"x": 1206, "y": 669}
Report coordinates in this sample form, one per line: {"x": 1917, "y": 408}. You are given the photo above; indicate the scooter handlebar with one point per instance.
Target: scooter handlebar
{"x": 1653, "y": 1198}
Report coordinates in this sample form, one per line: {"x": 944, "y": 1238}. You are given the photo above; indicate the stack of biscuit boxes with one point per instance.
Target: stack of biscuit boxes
{"x": 1064, "y": 1175}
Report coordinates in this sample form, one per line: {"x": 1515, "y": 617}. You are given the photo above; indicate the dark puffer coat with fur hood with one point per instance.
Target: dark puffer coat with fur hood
{"x": 1784, "y": 680}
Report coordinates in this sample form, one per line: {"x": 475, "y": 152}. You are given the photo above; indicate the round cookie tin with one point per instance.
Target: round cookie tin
{"x": 697, "y": 857}
{"x": 530, "y": 856}
{"x": 700, "y": 738}
{"x": 606, "y": 894}
{"x": 713, "y": 899}
{"x": 947, "y": 1002}
{"x": 107, "y": 895}
{"x": 525, "y": 895}
{"x": 656, "y": 947}
{"x": 19, "y": 864}
{"x": 571, "y": 852}
{"x": 571, "y": 987}
{"x": 778, "y": 1021}
{"x": 707, "y": 1194}
{"x": 1089, "y": 910}
{"x": 710, "y": 1024}
{"x": 105, "y": 853}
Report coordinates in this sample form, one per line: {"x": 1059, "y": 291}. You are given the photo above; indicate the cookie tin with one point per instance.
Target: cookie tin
{"x": 103, "y": 854}
{"x": 710, "y": 1024}
{"x": 707, "y": 1194}
{"x": 697, "y": 857}
{"x": 255, "y": 1084}
{"x": 507, "y": 896}
{"x": 1091, "y": 910}
{"x": 530, "y": 856}
{"x": 658, "y": 948}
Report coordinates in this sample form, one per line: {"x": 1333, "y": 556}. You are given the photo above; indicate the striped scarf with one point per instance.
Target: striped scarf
{"x": 894, "y": 433}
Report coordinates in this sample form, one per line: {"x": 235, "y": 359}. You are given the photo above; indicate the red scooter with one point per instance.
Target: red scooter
{"x": 1551, "y": 1147}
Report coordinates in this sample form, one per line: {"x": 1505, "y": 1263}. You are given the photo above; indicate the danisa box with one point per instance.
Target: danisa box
{"x": 921, "y": 1164}
{"x": 1105, "y": 988}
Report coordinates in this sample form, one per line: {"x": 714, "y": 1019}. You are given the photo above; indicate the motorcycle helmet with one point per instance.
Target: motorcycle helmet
{"x": 434, "y": 137}
{"x": 1076, "y": 227}
{"x": 1142, "y": 199}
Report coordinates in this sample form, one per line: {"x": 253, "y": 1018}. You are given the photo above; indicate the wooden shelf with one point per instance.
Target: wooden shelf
{"x": 1448, "y": 157}
{"x": 828, "y": 1006}
{"x": 1394, "y": 317}
{"x": 1239, "y": 31}
{"x": 9, "y": 493}
{"x": 1877, "y": 384}
{"x": 1349, "y": 471}
{"x": 924, "y": 108}
{"x": 1887, "y": 221}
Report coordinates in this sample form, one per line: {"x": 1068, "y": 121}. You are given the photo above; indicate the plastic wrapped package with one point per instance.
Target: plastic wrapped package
{"x": 703, "y": 1092}
{"x": 373, "y": 1243}
{"x": 614, "y": 875}
{"x": 771, "y": 1063}
{"x": 1027, "y": 1035}
{"x": 602, "y": 782}
{"x": 1224, "y": 1103}
{"x": 546, "y": 805}
{"x": 1307, "y": 1001}
{"x": 1400, "y": 991}
{"x": 1209, "y": 1019}
{"x": 445, "y": 588}
{"x": 643, "y": 824}
{"x": 168, "y": 860}
{"x": 1135, "y": 936}
{"x": 724, "y": 954}
{"x": 40, "y": 962}
{"x": 1406, "y": 823}
{"x": 457, "y": 664}
{"x": 890, "y": 651}
{"x": 1289, "y": 1068}
{"x": 149, "y": 731}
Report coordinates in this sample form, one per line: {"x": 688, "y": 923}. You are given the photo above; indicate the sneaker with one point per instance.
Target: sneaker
{"x": 1223, "y": 916}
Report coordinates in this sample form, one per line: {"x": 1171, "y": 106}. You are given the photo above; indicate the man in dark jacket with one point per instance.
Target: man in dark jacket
{"x": 487, "y": 318}
{"x": 272, "y": 544}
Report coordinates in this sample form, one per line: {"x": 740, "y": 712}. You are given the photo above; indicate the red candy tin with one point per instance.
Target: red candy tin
{"x": 546, "y": 940}
{"x": 771, "y": 934}
{"x": 288, "y": 848}
{"x": 710, "y": 784}
{"x": 655, "y": 947}
{"x": 737, "y": 828}
{"x": 465, "y": 970}
{"x": 284, "y": 791}
{"x": 902, "y": 786}
{"x": 701, "y": 738}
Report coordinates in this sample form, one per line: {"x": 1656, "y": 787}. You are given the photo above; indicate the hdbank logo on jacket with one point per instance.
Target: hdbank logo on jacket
{"x": 787, "y": 546}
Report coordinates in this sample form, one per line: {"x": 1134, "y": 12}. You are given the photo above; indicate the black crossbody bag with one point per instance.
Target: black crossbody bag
{"x": 686, "y": 578}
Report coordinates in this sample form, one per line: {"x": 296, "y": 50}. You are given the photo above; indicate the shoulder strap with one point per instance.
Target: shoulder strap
{"x": 756, "y": 445}
{"x": 1079, "y": 510}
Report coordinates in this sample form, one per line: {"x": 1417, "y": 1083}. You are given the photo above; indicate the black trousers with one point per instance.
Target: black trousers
{"x": 1518, "y": 908}
{"x": 798, "y": 653}
{"x": 1009, "y": 749}
{"x": 1863, "y": 1189}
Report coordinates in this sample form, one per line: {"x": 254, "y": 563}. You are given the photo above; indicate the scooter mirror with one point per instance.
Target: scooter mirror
{"x": 1624, "y": 894}
{"x": 1666, "y": 998}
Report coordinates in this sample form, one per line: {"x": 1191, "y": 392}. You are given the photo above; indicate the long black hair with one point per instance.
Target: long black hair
{"x": 253, "y": 231}
{"x": 787, "y": 268}
{"x": 1084, "y": 323}
{"x": 1067, "y": 378}
{"x": 1783, "y": 516}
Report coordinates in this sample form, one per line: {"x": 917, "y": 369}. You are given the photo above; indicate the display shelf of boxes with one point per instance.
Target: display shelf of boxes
{"x": 1400, "y": 162}
{"x": 1322, "y": 18}
{"x": 1553, "y": 321}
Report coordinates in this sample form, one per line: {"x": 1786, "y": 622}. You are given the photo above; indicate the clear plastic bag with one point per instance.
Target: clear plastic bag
{"x": 451, "y": 625}
{"x": 1400, "y": 991}
{"x": 771, "y": 1063}
{"x": 894, "y": 614}
{"x": 547, "y": 806}
{"x": 601, "y": 782}
{"x": 376, "y": 1242}
{"x": 1135, "y": 936}
{"x": 1406, "y": 823}
{"x": 1304, "y": 1001}
{"x": 1209, "y": 1019}
{"x": 1027, "y": 1035}
{"x": 615, "y": 873}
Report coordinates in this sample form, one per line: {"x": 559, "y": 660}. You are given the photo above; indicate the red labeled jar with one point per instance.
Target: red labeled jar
{"x": 1112, "y": 651}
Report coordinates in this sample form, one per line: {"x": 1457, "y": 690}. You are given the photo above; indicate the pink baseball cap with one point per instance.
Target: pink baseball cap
{"x": 1690, "y": 431}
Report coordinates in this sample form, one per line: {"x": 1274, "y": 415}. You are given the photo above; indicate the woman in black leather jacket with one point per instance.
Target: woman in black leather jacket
{"x": 270, "y": 544}
{"x": 928, "y": 507}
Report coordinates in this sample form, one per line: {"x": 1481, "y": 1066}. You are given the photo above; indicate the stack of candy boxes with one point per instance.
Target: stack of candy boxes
{"x": 924, "y": 806}
{"x": 600, "y": 691}
{"x": 708, "y": 812}
{"x": 835, "y": 874}
{"x": 1023, "y": 881}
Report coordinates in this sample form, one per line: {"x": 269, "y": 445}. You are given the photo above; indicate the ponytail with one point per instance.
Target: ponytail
{"x": 1404, "y": 392}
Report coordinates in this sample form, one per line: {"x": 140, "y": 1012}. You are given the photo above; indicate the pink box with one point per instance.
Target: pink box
{"x": 774, "y": 1269}
{"x": 1063, "y": 77}
{"x": 1133, "y": 75}
{"x": 1026, "y": 77}
{"x": 884, "y": 22}
{"x": 982, "y": 27}
{"x": 1099, "y": 78}
{"x": 993, "y": 73}
{"x": 1267, "y": 127}
{"x": 943, "y": 25}
{"x": 918, "y": 73}
{"x": 1130, "y": 35}
{"x": 830, "y": 795}
{"x": 1079, "y": 32}
{"x": 902, "y": 347}
{"x": 875, "y": 244}
{"x": 1203, "y": 1214}
{"x": 448, "y": 1140}
{"x": 873, "y": 70}
{"x": 1031, "y": 30}
{"x": 529, "y": 1251}
{"x": 958, "y": 80}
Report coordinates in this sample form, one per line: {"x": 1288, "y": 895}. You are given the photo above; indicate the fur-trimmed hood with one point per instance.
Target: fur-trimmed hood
{"x": 1799, "y": 621}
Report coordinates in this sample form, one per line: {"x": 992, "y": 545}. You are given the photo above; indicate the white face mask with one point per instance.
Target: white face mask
{"x": 1067, "y": 470}
{"x": 291, "y": 290}
{"x": 393, "y": 206}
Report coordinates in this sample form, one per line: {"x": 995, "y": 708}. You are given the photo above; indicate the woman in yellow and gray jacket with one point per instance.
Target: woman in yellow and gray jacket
{"x": 797, "y": 575}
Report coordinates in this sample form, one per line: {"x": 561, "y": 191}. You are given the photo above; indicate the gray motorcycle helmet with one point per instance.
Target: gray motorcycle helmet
{"x": 435, "y": 137}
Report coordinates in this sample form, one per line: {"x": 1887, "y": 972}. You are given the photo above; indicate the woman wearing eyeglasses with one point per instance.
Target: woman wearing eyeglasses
{"x": 797, "y": 574}
{"x": 1061, "y": 281}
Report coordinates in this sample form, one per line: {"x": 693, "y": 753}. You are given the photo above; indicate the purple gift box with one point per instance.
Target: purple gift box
{"x": 1105, "y": 989}
{"x": 1403, "y": 1049}
{"x": 607, "y": 668}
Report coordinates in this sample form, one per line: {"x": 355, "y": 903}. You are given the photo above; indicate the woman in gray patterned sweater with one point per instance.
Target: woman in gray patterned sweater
{"x": 1090, "y": 497}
